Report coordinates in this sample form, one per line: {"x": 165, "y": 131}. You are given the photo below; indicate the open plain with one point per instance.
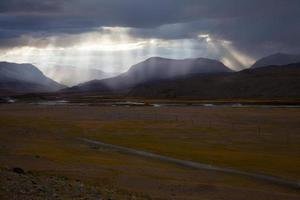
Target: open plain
{"x": 44, "y": 141}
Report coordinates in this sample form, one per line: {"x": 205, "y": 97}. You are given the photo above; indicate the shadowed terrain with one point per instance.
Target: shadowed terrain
{"x": 265, "y": 82}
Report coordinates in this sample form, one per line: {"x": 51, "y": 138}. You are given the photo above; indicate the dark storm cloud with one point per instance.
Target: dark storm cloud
{"x": 28, "y": 6}
{"x": 249, "y": 24}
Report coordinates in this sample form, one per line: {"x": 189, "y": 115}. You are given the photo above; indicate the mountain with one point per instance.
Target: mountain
{"x": 277, "y": 59}
{"x": 162, "y": 68}
{"x": 153, "y": 69}
{"x": 69, "y": 75}
{"x": 266, "y": 82}
{"x": 25, "y": 78}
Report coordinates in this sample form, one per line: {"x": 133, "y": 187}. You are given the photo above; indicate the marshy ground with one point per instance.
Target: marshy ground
{"x": 43, "y": 141}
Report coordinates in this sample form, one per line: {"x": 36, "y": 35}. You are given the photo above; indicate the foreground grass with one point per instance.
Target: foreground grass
{"x": 267, "y": 147}
{"x": 261, "y": 154}
{"x": 256, "y": 140}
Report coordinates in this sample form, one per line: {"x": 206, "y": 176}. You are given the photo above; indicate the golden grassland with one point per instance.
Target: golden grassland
{"x": 44, "y": 139}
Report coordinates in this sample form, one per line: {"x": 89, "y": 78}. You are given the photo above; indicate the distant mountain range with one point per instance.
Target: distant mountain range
{"x": 264, "y": 82}
{"x": 152, "y": 69}
{"x": 25, "y": 78}
{"x": 70, "y": 76}
{"x": 277, "y": 59}
{"x": 275, "y": 76}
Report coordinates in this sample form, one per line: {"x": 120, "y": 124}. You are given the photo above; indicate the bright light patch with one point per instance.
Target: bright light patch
{"x": 110, "y": 46}
{"x": 109, "y": 39}
{"x": 205, "y": 36}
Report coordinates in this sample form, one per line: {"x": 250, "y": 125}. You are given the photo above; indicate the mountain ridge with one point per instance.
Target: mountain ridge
{"x": 266, "y": 82}
{"x": 24, "y": 78}
{"x": 277, "y": 59}
{"x": 154, "y": 68}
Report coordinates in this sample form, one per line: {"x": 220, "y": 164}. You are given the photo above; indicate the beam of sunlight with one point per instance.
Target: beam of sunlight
{"x": 227, "y": 53}
{"x": 113, "y": 49}
{"x": 245, "y": 60}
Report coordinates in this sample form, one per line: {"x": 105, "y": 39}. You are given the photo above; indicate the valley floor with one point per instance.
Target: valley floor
{"x": 43, "y": 141}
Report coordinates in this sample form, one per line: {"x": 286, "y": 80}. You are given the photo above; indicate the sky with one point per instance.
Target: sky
{"x": 112, "y": 35}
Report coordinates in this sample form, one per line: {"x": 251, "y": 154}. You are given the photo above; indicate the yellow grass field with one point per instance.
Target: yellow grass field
{"x": 44, "y": 140}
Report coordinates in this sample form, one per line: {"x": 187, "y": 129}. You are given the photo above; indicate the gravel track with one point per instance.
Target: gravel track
{"x": 195, "y": 165}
